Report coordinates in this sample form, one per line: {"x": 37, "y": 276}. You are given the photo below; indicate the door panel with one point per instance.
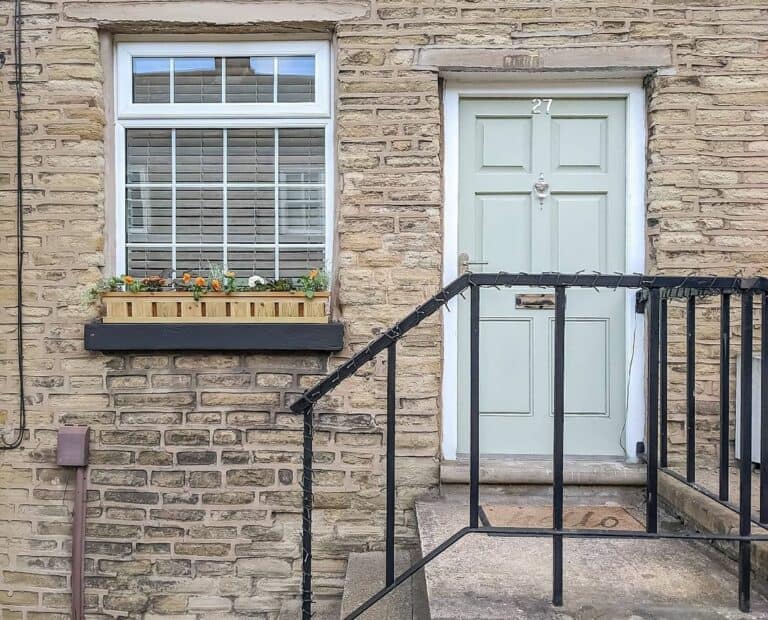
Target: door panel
{"x": 504, "y": 142}
{"x": 516, "y": 374}
{"x": 579, "y": 149}
{"x": 504, "y": 227}
{"x": 579, "y": 144}
{"x": 579, "y": 231}
{"x": 587, "y": 384}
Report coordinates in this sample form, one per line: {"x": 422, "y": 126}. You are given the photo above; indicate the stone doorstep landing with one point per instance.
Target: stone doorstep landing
{"x": 535, "y": 470}
{"x": 494, "y": 578}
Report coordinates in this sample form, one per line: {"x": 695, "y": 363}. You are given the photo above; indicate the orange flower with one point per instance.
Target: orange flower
{"x": 199, "y": 281}
{"x": 215, "y": 285}
{"x": 313, "y": 274}
{"x": 128, "y": 279}
{"x": 186, "y": 278}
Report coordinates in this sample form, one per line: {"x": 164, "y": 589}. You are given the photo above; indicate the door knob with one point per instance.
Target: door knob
{"x": 542, "y": 188}
{"x": 465, "y": 263}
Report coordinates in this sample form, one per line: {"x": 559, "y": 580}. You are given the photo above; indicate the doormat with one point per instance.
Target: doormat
{"x": 574, "y": 517}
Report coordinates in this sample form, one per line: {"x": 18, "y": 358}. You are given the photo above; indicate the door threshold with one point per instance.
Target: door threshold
{"x": 579, "y": 470}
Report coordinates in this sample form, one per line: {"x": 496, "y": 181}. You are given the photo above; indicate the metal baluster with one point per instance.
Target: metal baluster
{"x": 559, "y": 431}
{"x": 474, "y": 406}
{"x": 725, "y": 392}
{"x": 764, "y": 410}
{"x": 663, "y": 399}
{"x": 690, "y": 391}
{"x": 391, "y": 396}
{"x": 651, "y": 495}
{"x": 745, "y": 477}
{"x": 306, "y": 514}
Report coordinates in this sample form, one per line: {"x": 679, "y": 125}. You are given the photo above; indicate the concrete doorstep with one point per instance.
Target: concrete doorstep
{"x": 529, "y": 470}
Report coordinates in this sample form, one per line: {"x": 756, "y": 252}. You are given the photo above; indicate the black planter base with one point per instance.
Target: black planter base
{"x": 213, "y": 336}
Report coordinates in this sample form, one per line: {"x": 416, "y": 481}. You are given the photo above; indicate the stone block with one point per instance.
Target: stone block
{"x": 250, "y": 477}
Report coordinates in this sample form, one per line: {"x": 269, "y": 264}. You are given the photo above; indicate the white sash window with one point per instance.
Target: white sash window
{"x": 224, "y": 153}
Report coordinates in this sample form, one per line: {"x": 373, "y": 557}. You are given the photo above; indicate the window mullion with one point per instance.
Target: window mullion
{"x": 173, "y": 203}
{"x": 274, "y": 79}
{"x": 172, "y": 80}
{"x": 224, "y": 81}
{"x": 276, "y": 200}
{"x": 224, "y": 257}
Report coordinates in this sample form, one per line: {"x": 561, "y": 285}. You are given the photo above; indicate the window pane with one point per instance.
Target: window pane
{"x": 302, "y": 155}
{"x": 295, "y": 263}
{"x": 148, "y": 213}
{"x": 151, "y": 80}
{"x": 250, "y": 216}
{"x": 246, "y": 263}
{"x": 250, "y": 79}
{"x": 302, "y": 215}
{"x": 199, "y": 216}
{"x": 197, "y": 80}
{"x": 250, "y": 156}
{"x": 143, "y": 262}
{"x": 295, "y": 79}
{"x": 199, "y": 154}
{"x": 197, "y": 261}
{"x": 148, "y": 155}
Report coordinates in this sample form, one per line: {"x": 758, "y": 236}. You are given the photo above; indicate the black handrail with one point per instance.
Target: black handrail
{"x": 675, "y": 286}
{"x": 654, "y": 293}
{"x": 315, "y": 393}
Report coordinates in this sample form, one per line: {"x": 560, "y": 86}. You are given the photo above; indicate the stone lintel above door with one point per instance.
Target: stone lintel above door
{"x": 616, "y": 57}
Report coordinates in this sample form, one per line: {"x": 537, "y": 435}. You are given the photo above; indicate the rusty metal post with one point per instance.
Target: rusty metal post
{"x": 78, "y": 546}
{"x": 72, "y": 451}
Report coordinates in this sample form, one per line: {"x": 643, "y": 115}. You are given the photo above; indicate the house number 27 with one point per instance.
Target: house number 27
{"x": 537, "y": 103}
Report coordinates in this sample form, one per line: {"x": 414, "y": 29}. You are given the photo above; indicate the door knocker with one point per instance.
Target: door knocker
{"x": 542, "y": 188}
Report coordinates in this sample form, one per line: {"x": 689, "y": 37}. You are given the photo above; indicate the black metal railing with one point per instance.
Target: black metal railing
{"x": 654, "y": 294}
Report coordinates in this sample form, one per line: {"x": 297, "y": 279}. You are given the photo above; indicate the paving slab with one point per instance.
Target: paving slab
{"x": 505, "y": 578}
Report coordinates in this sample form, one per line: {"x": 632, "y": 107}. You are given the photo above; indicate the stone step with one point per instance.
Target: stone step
{"x": 365, "y": 577}
{"x": 538, "y": 471}
{"x": 495, "y": 578}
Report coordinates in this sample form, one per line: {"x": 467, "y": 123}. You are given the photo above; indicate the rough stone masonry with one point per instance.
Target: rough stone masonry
{"x": 193, "y": 503}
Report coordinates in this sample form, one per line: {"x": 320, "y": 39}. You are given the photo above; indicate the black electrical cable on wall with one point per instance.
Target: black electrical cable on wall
{"x": 6, "y": 445}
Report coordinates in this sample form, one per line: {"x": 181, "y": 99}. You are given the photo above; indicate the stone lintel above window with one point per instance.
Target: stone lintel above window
{"x": 214, "y": 12}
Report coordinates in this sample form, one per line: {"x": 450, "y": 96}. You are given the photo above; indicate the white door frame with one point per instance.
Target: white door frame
{"x": 632, "y": 90}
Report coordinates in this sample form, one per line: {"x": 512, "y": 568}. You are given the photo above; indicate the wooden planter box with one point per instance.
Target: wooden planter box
{"x": 242, "y": 307}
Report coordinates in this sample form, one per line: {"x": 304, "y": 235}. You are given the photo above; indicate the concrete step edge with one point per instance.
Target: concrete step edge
{"x": 704, "y": 514}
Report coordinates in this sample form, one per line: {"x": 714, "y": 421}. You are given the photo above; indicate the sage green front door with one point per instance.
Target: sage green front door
{"x": 542, "y": 189}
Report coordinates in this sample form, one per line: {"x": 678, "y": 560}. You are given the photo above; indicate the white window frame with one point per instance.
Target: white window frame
{"x": 126, "y": 52}
{"x": 223, "y": 116}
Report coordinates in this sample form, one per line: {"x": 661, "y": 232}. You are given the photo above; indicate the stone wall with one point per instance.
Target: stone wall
{"x": 194, "y": 496}
{"x": 193, "y": 473}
